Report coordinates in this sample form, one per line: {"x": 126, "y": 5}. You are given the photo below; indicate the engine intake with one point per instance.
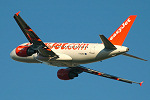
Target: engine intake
{"x": 24, "y": 51}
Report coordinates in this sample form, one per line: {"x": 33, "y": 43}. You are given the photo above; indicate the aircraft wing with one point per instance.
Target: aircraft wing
{"x": 91, "y": 71}
{"x": 36, "y": 42}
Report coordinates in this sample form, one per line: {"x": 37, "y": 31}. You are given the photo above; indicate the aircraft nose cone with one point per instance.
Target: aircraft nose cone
{"x": 13, "y": 54}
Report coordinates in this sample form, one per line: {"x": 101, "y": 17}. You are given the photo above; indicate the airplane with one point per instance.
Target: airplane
{"x": 72, "y": 55}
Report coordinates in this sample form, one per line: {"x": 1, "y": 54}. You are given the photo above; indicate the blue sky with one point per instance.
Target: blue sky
{"x": 75, "y": 21}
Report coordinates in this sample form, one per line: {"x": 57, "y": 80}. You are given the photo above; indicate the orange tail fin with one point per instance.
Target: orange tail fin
{"x": 118, "y": 37}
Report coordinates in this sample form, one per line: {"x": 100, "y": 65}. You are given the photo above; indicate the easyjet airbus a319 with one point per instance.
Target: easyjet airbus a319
{"x": 72, "y": 55}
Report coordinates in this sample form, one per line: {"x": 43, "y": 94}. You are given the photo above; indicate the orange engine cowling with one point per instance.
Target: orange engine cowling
{"x": 24, "y": 51}
{"x": 66, "y": 74}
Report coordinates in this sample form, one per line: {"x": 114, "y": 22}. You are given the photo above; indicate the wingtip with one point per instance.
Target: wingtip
{"x": 17, "y": 13}
{"x": 141, "y": 83}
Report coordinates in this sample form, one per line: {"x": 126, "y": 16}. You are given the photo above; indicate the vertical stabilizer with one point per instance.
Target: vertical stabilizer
{"x": 118, "y": 37}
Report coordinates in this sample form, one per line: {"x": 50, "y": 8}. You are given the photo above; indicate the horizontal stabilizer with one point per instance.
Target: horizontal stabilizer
{"x": 125, "y": 54}
{"x": 107, "y": 43}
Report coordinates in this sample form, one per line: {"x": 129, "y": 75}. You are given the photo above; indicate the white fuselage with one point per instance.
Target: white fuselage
{"x": 72, "y": 54}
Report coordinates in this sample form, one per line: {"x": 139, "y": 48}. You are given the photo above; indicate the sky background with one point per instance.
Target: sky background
{"x": 75, "y": 21}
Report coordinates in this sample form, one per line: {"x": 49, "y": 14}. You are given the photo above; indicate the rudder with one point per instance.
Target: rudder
{"x": 118, "y": 37}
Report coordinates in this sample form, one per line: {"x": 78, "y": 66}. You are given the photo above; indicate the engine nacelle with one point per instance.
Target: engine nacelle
{"x": 66, "y": 74}
{"x": 24, "y": 51}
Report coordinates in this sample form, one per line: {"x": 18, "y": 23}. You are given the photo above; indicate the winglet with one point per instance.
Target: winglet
{"x": 141, "y": 83}
{"x": 17, "y": 13}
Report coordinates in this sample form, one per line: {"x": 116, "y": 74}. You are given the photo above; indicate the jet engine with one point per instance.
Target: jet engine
{"x": 24, "y": 51}
{"x": 66, "y": 74}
